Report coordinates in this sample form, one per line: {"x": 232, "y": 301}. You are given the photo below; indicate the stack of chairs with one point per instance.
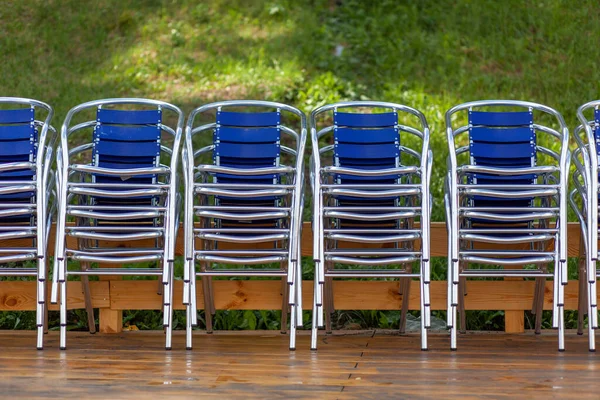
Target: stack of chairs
{"x": 27, "y": 196}
{"x": 243, "y": 168}
{"x": 118, "y": 197}
{"x": 506, "y": 197}
{"x": 584, "y": 201}
{"x": 370, "y": 173}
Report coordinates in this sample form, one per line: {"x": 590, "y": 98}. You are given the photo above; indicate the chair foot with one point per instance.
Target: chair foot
{"x": 561, "y": 350}
{"x": 313, "y": 349}
{"x": 40, "y": 348}
{"x": 292, "y": 349}
{"x": 425, "y": 349}
{"x": 453, "y": 349}
{"x": 63, "y": 348}
{"x": 188, "y": 348}
{"x": 578, "y": 333}
{"x": 168, "y": 348}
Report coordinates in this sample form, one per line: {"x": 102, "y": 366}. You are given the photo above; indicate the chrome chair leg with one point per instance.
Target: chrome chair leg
{"x": 315, "y": 312}
{"x": 461, "y": 304}
{"x": 285, "y": 305}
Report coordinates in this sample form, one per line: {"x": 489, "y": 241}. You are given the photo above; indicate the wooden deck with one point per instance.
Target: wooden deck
{"x": 362, "y": 365}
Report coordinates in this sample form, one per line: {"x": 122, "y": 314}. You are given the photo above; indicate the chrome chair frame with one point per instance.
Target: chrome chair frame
{"x": 555, "y": 186}
{"x": 42, "y": 210}
{"x": 71, "y": 183}
{"x": 584, "y": 202}
{"x": 323, "y": 215}
{"x": 199, "y": 188}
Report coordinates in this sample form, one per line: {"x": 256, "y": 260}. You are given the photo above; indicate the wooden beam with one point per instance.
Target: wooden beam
{"x": 349, "y": 295}
{"x": 21, "y": 296}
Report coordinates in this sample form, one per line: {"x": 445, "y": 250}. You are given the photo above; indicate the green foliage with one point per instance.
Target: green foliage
{"x": 427, "y": 54}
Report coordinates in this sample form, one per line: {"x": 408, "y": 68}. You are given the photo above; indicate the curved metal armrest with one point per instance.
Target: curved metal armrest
{"x": 507, "y": 171}
{"x": 16, "y": 165}
{"x": 244, "y": 172}
{"x": 120, "y": 172}
{"x": 371, "y": 172}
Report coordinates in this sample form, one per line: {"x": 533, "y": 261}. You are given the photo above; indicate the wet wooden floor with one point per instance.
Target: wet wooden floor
{"x": 365, "y": 365}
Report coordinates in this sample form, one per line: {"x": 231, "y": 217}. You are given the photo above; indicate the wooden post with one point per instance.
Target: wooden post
{"x": 110, "y": 321}
{"x": 514, "y": 321}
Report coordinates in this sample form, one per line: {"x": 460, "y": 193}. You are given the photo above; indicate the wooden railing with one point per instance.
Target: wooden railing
{"x": 112, "y": 296}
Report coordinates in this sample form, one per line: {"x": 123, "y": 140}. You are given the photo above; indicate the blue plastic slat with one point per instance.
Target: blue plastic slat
{"x": 368, "y": 180}
{"x": 504, "y": 162}
{"x": 247, "y": 135}
{"x": 500, "y": 179}
{"x": 245, "y": 163}
{"x": 502, "y": 118}
{"x": 234, "y": 150}
{"x": 20, "y": 175}
{"x": 247, "y": 119}
{"x": 349, "y": 135}
{"x": 127, "y": 149}
{"x": 128, "y": 117}
{"x": 374, "y": 151}
{"x": 252, "y": 179}
{"x": 146, "y": 179}
{"x": 505, "y": 135}
{"x": 127, "y": 133}
{"x": 17, "y": 116}
{"x": 493, "y": 150}
{"x": 358, "y": 120}
{"x": 122, "y": 165}
{"x": 117, "y": 162}
{"x": 16, "y": 132}
{"x": 16, "y": 148}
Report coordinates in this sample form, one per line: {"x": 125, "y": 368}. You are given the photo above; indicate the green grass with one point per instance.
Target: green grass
{"x": 427, "y": 54}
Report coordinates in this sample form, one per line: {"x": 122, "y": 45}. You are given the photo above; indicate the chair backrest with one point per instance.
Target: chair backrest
{"x": 368, "y": 142}
{"x": 126, "y": 139}
{"x": 18, "y": 140}
{"x": 502, "y": 140}
{"x": 247, "y": 140}
{"x": 18, "y": 143}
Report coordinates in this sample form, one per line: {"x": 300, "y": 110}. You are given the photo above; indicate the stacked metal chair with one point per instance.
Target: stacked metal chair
{"x": 584, "y": 201}
{"x": 506, "y": 200}
{"x": 243, "y": 168}
{"x": 27, "y": 200}
{"x": 118, "y": 196}
{"x": 370, "y": 173}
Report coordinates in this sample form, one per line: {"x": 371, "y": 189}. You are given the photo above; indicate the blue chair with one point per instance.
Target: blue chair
{"x": 243, "y": 204}
{"x": 370, "y": 179}
{"x": 506, "y": 194}
{"x": 27, "y": 196}
{"x": 118, "y": 197}
{"x": 584, "y": 201}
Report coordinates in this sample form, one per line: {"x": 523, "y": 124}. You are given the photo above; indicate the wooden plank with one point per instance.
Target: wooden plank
{"x": 439, "y": 240}
{"x": 255, "y": 295}
{"x": 349, "y": 295}
{"x": 21, "y": 296}
{"x": 258, "y": 365}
